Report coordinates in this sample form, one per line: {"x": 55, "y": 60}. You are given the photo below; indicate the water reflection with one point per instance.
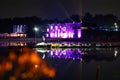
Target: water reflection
{"x": 5, "y": 44}
{"x": 24, "y": 64}
{"x": 83, "y": 63}
{"x": 66, "y": 53}
{"x": 86, "y": 54}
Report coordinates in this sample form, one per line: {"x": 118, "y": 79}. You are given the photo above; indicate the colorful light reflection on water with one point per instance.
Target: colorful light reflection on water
{"x": 66, "y": 53}
{"x": 86, "y": 54}
{"x": 27, "y": 64}
{"x": 5, "y": 44}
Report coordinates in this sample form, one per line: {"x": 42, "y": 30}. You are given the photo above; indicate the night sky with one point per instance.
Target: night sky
{"x": 49, "y": 9}
{"x": 102, "y": 7}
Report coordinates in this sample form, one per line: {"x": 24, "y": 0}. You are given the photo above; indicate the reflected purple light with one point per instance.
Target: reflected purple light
{"x": 67, "y": 53}
{"x": 67, "y": 30}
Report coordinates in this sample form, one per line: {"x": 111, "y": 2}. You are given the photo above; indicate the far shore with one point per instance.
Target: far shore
{"x": 57, "y": 40}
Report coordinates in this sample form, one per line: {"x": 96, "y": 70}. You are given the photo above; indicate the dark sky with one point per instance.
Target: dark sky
{"x": 56, "y": 8}
{"x": 102, "y": 6}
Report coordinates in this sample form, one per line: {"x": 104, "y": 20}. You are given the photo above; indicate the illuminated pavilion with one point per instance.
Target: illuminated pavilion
{"x": 64, "y": 30}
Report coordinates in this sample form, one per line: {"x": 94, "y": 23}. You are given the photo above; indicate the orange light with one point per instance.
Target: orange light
{"x": 12, "y": 78}
{"x": 28, "y": 65}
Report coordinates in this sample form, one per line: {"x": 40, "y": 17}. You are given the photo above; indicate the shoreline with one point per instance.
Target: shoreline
{"x": 33, "y": 41}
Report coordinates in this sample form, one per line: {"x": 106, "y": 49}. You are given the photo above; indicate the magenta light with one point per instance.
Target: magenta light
{"x": 56, "y": 27}
{"x": 61, "y": 34}
{"x": 47, "y": 35}
{"x": 71, "y": 35}
{"x": 55, "y": 34}
{"x": 51, "y": 35}
{"x": 67, "y": 53}
{"x": 64, "y": 30}
{"x": 58, "y": 33}
{"x": 65, "y": 35}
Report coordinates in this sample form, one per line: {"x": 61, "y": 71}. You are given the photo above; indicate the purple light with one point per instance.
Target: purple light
{"x": 51, "y": 35}
{"x": 61, "y": 34}
{"x": 64, "y": 30}
{"x": 67, "y": 53}
{"x": 58, "y": 33}
{"x": 56, "y": 27}
{"x": 69, "y": 34}
{"x": 65, "y": 35}
{"x": 72, "y": 35}
{"x": 55, "y": 34}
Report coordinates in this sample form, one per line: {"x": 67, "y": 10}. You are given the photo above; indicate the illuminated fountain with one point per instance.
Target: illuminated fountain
{"x": 66, "y": 30}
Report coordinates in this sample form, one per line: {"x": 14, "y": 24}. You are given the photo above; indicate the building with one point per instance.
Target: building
{"x": 19, "y": 28}
{"x": 64, "y": 30}
{"x": 18, "y": 31}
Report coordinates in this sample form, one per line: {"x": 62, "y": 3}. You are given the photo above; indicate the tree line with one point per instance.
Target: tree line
{"x": 88, "y": 20}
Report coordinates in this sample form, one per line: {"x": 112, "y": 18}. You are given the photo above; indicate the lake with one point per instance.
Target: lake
{"x": 24, "y": 63}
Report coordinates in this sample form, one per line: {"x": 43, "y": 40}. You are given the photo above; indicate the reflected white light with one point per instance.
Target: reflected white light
{"x": 115, "y": 53}
{"x": 51, "y": 53}
{"x": 43, "y": 56}
{"x": 81, "y": 60}
{"x": 56, "y": 53}
{"x": 73, "y": 58}
{"x": 40, "y": 50}
{"x": 64, "y": 52}
{"x": 83, "y": 53}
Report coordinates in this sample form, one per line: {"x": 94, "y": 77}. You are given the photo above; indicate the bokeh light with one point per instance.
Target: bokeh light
{"x": 23, "y": 64}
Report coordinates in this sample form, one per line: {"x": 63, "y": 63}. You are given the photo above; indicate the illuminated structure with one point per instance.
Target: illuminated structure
{"x": 18, "y": 31}
{"x": 66, "y": 30}
{"x": 19, "y": 28}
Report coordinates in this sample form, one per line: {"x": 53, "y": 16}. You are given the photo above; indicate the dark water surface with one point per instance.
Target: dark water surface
{"x": 85, "y": 63}
{"x": 72, "y": 64}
